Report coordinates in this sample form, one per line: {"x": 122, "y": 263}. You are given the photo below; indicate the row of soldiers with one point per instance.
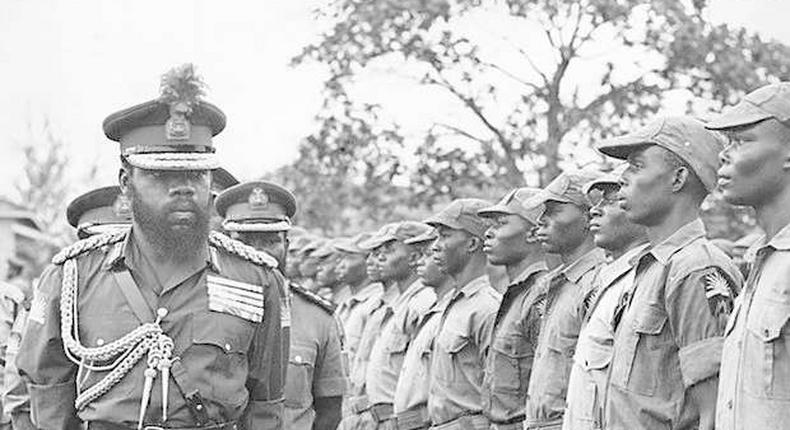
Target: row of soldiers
{"x": 173, "y": 311}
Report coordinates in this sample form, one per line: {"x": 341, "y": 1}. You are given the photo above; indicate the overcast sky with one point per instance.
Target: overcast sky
{"x": 75, "y": 62}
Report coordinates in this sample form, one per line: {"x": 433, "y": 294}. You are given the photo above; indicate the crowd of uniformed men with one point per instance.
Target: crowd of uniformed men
{"x": 618, "y": 313}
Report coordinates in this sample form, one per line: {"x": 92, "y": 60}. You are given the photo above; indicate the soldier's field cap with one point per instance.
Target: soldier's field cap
{"x": 401, "y": 231}
{"x": 568, "y": 187}
{"x": 514, "y": 203}
{"x": 428, "y": 236}
{"x": 462, "y": 214}
{"x": 99, "y": 211}
{"x": 256, "y": 206}
{"x": 684, "y": 136}
{"x": 327, "y": 249}
{"x": 299, "y": 242}
{"x": 607, "y": 179}
{"x": 172, "y": 132}
{"x": 309, "y": 248}
{"x": 350, "y": 245}
{"x": 770, "y": 101}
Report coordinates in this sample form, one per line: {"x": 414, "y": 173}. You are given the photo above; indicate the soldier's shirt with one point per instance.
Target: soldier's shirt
{"x": 11, "y": 298}
{"x": 509, "y": 359}
{"x": 14, "y": 392}
{"x": 668, "y": 335}
{"x": 754, "y": 385}
{"x": 458, "y": 354}
{"x": 386, "y": 356}
{"x": 412, "y": 388}
{"x": 353, "y": 314}
{"x": 234, "y": 363}
{"x": 315, "y": 365}
{"x": 562, "y": 294}
{"x": 587, "y": 381}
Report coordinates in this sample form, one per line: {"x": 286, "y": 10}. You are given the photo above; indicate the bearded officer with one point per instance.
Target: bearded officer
{"x": 260, "y": 214}
{"x": 166, "y": 325}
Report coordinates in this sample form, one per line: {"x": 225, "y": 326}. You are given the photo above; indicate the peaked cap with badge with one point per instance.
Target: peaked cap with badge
{"x": 256, "y": 206}
{"x": 98, "y": 211}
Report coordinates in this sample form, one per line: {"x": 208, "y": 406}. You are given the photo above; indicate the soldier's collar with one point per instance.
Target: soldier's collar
{"x": 619, "y": 266}
{"x": 780, "y": 241}
{"x": 678, "y": 240}
{"x": 475, "y": 285}
{"x": 536, "y": 267}
{"x": 118, "y": 252}
{"x": 584, "y": 264}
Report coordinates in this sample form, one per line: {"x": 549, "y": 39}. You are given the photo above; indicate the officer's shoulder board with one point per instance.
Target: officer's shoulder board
{"x": 89, "y": 244}
{"x": 246, "y": 252}
{"x": 313, "y": 298}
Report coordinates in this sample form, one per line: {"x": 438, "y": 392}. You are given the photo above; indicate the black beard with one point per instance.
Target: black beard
{"x": 179, "y": 245}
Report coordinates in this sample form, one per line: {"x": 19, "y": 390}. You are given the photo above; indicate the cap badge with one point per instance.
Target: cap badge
{"x": 258, "y": 199}
{"x": 177, "y": 126}
{"x": 122, "y": 207}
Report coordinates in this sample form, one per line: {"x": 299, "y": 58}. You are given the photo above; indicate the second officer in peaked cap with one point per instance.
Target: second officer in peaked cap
{"x": 167, "y": 324}
{"x": 260, "y": 214}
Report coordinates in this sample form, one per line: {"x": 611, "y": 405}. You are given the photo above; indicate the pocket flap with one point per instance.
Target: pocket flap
{"x": 769, "y": 322}
{"x": 596, "y": 357}
{"x": 398, "y": 343}
{"x": 512, "y": 346}
{"x": 454, "y": 343}
{"x": 651, "y": 321}
{"x": 302, "y": 355}
{"x": 223, "y": 331}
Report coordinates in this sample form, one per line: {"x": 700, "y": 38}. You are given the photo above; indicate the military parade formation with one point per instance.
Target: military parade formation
{"x": 192, "y": 301}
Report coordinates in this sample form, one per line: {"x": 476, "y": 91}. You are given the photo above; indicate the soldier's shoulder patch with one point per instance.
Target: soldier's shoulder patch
{"x": 719, "y": 292}
{"x": 313, "y": 298}
{"x": 38, "y": 307}
{"x": 239, "y": 249}
{"x": 87, "y": 245}
{"x": 235, "y": 298}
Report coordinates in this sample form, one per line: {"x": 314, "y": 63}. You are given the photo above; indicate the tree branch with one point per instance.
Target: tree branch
{"x": 461, "y": 132}
{"x": 513, "y": 76}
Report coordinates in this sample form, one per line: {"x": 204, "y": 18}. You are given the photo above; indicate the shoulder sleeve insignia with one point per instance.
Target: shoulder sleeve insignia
{"x": 87, "y": 245}
{"x": 38, "y": 307}
{"x": 239, "y": 249}
{"x": 235, "y": 298}
{"x": 313, "y": 298}
{"x": 719, "y": 293}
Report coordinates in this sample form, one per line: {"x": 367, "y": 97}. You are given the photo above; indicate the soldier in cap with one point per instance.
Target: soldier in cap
{"x": 364, "y": 295}
{"x": 754, "y": 385}
{"x": 309, "y": 265}
{"x": 165, "y": 325}
{"x": 410, "y": 403}
{"x": 399, "y": 325}
{"x": 563, "y": 228}
{"x": 622, "y": 240}
{"x": 669, "y": 324}
{"x": 511, "y": 243}
{"x": 99, "y": 211}
{"x": 329, "y": 286}
{"x": 260, "y": 214}
{"x": 464, "y": 332}
{"x": 294, "y": 255}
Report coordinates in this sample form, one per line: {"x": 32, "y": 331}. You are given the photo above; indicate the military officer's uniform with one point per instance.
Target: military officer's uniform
{"x": 463, "y": 335}
{"x": 754, "y": 382}
{"x": 315, "y": 367}
{"x": 101, "y": 347}
{"x": 515, "y": 329}
{"x": 669, "y": 325}
{"x": 561, "y": 298}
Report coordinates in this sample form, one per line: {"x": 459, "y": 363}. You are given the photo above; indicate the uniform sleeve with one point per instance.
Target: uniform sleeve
{"x": 42, "y": 363}
{"x": 330, "y": 377}
{"x": 15, "y": 397}
{"x": 266, "y": 364}
{"x": 484, "y": 330}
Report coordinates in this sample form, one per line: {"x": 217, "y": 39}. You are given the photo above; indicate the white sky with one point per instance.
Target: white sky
{"x": 75, "y": 62}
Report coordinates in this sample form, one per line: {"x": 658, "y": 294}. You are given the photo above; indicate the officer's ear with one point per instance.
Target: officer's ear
{"x": 124, "y": 174}
{"x": 679, "y": 178}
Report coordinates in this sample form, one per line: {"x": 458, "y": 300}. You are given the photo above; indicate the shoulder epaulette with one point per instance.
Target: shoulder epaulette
{"x": 313, "y": 298}
{"x": 239, "y": 249}
{"x": 88, "y": 244}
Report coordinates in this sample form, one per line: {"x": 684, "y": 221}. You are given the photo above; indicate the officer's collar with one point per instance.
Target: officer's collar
{"x": 119, "y": 252}
{"x": 680, "y": 239}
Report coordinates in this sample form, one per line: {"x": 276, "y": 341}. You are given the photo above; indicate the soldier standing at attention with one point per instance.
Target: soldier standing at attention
{"x": 464, "y": 332}
{"x": 754, "y": 386}
{"x": 411, "y": 394}
{"x": 260, "y": 214}
{"x": 167, "y": 325}
{"x": 511, "y": 243}
{"x": 564, "y": 230}
{"x": 669, "y": 325}
{"x": 623, "y": 241}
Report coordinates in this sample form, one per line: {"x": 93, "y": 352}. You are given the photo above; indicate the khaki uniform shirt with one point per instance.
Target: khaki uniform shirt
{"x": 562, "y": 294}
{"x": 386, "y": 356}
{"x": 754, "y": 386}
{"x": 509, "y": 359}
{"x": 11, "y": 298}
{"x": 412, "y": 388}
{"x": 315, "y": 365}
{"x": 458, "y": 354}
{"x": 587, "y": 382}
{"x": 353, "y": 314}
{"x": 668, "y": 335}
{"x": 234, "y": 363}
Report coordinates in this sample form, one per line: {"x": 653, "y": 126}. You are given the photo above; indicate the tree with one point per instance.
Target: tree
{"x": 588, "y": 69}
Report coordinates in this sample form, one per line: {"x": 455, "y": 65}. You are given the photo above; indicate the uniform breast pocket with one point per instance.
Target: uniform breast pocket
{"x": 768, "y": 351}
{"x": 218, "y": 355}
{"x": 649, "y": 352}
{"x": 299, "y": 382}
{"x": 559, "y": 361}
{"x": 396, "y": 348}
{"x": 512, "y": 362}
{"x": 454, "y": 345}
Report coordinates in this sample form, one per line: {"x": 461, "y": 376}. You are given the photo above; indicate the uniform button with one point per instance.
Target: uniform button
{"x": 199, "y": 407}
{"x": 298, "y": 359}
{"x": 99, "y": 341}
{"x": 766, "y": 332}
{"x": 227, "y": 347}
{"x": 729, "y": 404}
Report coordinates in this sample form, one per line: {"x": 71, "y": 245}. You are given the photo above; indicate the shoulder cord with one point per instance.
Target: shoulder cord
{"x": 125, "y": 352}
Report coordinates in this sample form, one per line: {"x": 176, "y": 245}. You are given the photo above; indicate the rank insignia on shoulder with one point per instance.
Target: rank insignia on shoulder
{"x": 235, "y": 298}
{"x": 719, "y": 293}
